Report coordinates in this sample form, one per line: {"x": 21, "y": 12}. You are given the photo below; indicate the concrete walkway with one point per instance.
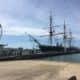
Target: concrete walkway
{"x": 38, "y": 70}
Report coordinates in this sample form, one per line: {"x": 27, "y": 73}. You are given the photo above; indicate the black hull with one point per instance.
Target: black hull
{"x": 53, "y": 49}
{"x": 58, "y": 49}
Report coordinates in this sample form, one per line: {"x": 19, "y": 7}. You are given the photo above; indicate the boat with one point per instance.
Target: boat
{"x": 57, "y": 49}
{"x": 46, "y": 50}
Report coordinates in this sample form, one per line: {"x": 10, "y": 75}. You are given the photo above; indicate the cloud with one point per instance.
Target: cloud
{"x": 16, "y": 27}
{"x": 18, "y": 17}
{"x": 19, "y": 31}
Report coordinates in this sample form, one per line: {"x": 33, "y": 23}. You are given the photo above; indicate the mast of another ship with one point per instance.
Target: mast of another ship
{"x": 50, "y": 30}
{"x": 65, "y": 38}
{"x": 70, "y": 39}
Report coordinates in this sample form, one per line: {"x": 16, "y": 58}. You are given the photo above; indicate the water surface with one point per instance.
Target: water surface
{"x": 69, "y": 58}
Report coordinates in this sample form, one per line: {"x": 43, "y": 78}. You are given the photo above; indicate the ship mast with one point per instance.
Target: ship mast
{"x": 70, "y": 39}
{"x": 64, "y": 37}
{"x": 50, "y": 30}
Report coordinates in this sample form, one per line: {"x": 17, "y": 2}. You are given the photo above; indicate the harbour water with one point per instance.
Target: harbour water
{"x": 66, "y": 58}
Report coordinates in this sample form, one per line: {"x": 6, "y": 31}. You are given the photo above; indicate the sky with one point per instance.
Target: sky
{"x": 19, "y": 17}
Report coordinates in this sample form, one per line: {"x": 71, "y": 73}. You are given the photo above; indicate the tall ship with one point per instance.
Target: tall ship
{"x": 50, "y": 49}
{"x": 65, "y": 47}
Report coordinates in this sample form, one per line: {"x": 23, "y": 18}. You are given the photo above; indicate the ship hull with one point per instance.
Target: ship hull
{"x": 51, "y": 49}
{"x": 57, "y": 50}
